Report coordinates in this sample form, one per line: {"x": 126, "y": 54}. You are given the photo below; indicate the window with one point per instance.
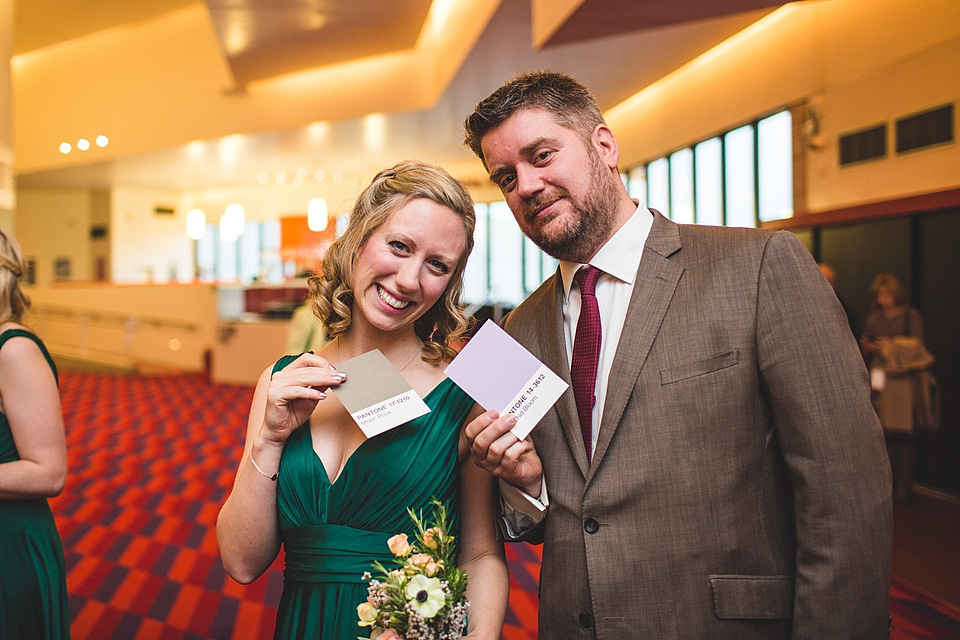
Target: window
{"x": 658, "y": 185}
{"x": 475, "y": 277}
{"x": 681, "y": 186}
{"x": 255, "y": 255}
{"x": 738, "y": 178}
{"x": 637, "y": 182}
{"x": 506, "y": 256}
{"x": 739, "y": 187}
{"x": 775, "y": 166}
{"x": 708, "y": 157}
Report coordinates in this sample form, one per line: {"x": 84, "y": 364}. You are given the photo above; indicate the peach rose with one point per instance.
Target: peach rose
{"x": 432, "y": 537}
{"x": 398, "y": 545}
{"x": 389, "y": 634}
{"x": 426, "y": 563}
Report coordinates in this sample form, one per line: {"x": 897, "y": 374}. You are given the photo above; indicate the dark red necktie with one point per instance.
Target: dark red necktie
{"x": 586, "y": 353}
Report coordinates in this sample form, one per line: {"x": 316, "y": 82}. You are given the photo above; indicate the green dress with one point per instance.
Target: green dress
{"x": 333, "y": 532}
{"x": 33, "y": 588}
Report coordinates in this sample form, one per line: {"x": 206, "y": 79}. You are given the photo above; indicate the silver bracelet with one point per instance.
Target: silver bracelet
{"x": 272, "y": 478}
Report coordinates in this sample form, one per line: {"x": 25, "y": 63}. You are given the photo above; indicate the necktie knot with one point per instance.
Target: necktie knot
{"x": 586, "y": 278}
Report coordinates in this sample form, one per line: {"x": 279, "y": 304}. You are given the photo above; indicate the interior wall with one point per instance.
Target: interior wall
{"x": 921, "y": 81}
{"x": 147, "y": 246}
{"x": 52, "y": 225}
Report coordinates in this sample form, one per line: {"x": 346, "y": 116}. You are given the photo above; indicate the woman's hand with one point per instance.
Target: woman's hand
{"x": 869, "y": 344}
{"x": 293, "y": 394}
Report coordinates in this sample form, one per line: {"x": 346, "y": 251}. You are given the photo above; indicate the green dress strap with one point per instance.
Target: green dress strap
{"x": 23, "y": 333}
{"x": 282, "y": 363}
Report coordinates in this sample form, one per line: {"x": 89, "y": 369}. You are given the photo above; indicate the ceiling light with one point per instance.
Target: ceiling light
{"x": 65, "y": 148}
{"x": 320, "y": 174}
{"x": 318, "y": 131}
{"x": 374, "y": 130}
{"x": 102, "y": 141}
{"x": 83, "y": 144}
{"x": 317, "y": 214}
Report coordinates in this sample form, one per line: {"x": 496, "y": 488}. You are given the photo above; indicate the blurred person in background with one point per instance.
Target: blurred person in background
{"x": 905, "y": 393}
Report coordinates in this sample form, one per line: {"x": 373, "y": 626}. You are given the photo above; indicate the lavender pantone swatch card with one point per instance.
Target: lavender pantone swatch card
{"x": 376, "y": 394}
{"x": 497, "y": 372}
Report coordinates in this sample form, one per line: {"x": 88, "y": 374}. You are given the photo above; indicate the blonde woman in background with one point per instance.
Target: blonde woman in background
{"x": 33, "y": 467}
{"x": 904, "y": 390}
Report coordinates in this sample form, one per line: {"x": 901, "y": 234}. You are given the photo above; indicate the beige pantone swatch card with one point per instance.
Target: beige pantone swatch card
{"x": 376, "y": 395}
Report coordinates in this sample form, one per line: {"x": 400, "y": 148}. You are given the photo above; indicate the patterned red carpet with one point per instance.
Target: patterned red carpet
{"x": 151, "y": 461}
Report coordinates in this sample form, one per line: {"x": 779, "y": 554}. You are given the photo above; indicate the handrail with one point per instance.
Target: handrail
{"x": 85, "y": 344}
{"x": 128, "y": 320}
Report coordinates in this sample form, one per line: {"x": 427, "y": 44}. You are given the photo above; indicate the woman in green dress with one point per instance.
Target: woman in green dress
{"x": 309, "y": 479}
{"x": 33, "y": 467}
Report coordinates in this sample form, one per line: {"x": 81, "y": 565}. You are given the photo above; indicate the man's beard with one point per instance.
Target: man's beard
{"x": 590, "y": 225}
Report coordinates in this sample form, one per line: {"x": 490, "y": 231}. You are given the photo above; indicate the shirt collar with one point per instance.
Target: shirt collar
{"x": 620, "y": 256}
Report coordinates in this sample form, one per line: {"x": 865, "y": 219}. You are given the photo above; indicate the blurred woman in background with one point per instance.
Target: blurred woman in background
{"x": 905, "y": 393}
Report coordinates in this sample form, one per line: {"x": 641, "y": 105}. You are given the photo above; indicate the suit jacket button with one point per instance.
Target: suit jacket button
{"x": 591, "y": 525}
{"x": 586, "y": 620}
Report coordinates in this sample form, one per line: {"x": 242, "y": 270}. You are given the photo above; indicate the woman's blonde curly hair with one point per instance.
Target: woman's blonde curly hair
{"x": 13, "y": 302}
{"x": 332, "y": 291}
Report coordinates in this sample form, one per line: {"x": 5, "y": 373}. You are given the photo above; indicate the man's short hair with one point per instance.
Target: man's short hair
{"x": 570, "y": 102}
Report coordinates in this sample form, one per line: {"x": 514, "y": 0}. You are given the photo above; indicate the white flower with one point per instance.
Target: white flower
{"x": 426, "y": 595}
{"x": 367, "y": 614}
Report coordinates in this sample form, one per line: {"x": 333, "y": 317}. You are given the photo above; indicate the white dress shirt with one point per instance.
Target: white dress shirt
{"x": 619, "y": 260}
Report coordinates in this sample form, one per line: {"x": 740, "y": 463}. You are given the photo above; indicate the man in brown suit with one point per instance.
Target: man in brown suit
{"x": 735, "y": 483}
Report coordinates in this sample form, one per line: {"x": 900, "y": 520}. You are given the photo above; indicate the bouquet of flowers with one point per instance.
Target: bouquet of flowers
{"x": 422, "y": 598}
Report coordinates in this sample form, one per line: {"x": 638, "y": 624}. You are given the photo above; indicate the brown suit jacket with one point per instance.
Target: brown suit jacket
{"x": 740, "y": 487}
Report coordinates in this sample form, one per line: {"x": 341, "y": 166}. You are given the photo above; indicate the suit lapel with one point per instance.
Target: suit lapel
{"x": 653, "y": 289}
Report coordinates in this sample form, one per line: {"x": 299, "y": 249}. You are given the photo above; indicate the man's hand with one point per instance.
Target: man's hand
{"x": 495, "y": 449}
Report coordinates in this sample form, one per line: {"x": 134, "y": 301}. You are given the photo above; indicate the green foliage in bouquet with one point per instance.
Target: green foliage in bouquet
{"x": 422, "y": 597}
